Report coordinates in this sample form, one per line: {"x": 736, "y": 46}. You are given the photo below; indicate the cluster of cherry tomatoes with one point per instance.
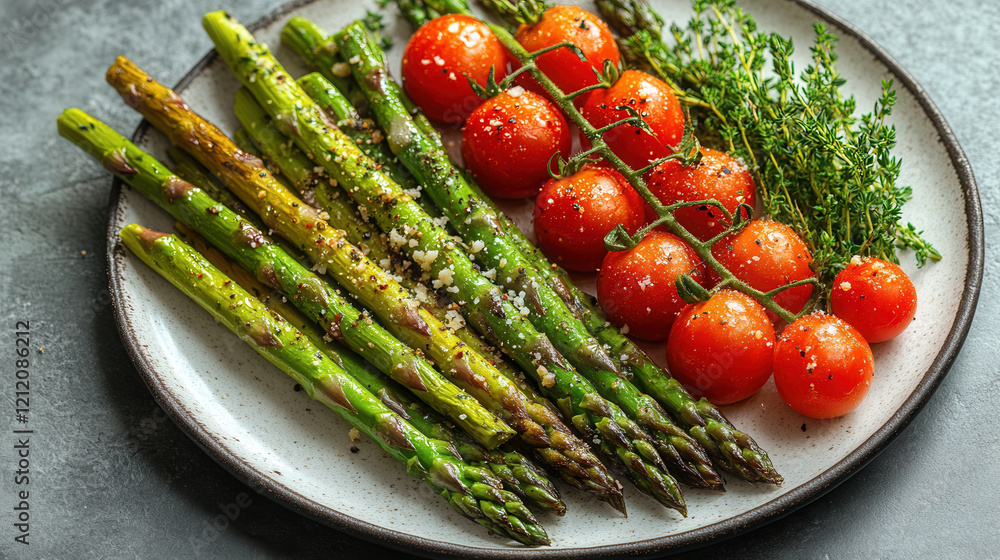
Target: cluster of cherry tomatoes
{"x": 725, "y": 348}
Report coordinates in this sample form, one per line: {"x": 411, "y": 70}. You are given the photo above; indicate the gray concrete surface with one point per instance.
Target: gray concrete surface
{"x": 112, "y": 477}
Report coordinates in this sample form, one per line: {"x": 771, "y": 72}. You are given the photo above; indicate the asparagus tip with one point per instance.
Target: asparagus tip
{"x": 617, "y": 501}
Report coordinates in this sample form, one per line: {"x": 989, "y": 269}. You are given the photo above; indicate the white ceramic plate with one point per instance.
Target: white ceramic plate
{"x": 244, "y": 412}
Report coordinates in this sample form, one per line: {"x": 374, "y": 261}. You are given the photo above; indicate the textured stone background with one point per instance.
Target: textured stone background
{"x": 112, "y": 477}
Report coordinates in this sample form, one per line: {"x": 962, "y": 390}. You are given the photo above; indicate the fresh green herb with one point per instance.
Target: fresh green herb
{"x": 826, "y": 173}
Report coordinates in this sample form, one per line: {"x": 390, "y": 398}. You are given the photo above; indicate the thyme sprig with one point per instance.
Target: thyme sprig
{"x": 826, "y": 173}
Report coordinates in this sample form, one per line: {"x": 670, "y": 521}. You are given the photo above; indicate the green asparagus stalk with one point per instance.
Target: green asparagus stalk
{"x": 190, "y": 170}
{"x": 288, "y": 160}
{"x": 311, "y": 43}
{"x": 303, "y": 175}
{"x": 430, "y": 245}
{"x": 342, "y": 214}
{"x": 518, "y": 474}
{"x": 300, "y": 174}
{"x": 472, "y": 491}
{"x": 187, "y": 168}
{"x": 366, "y": 134}
{"x": 322, "y": 56}
{"x": 266, "y": 142}
{"x": 246, "y": 244}
{"x": 477, "y": 221}
{"x": 375, "y": 288}
{"x": 730, "y": 449}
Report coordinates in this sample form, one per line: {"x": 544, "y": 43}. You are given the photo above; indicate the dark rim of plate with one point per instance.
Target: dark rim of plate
{"x": 731, "y": 527}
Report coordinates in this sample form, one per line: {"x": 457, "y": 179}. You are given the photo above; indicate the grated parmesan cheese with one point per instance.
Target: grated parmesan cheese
{"x": 548, "y": 378}
{"x": 446, "y": 276}
{"x": 424, "y": 259}
{"x": 396, "y": 239}
{"x": 421, "y": 292}
{"x": 454, "y": 319}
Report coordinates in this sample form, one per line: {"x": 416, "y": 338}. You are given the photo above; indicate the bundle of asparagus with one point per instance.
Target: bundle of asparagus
{"x": 347, "y": 200}
{"x": 428, "y": 243}
{"x": 375, "y": 288}
{"x": 567, "y": 308}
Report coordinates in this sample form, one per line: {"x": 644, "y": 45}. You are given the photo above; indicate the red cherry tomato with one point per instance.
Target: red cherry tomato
{"x": 874, "y": 296}
{"x": 567, "y": 24}
{"x": 823, "y": 367}
{"x": 573, "y": 214}
{"x": 635, "y": 288}
{"x": 721, "y": 349}
{"x": 653, "y": 100}
{"x": 716, "y": 176}
{"x": 509, "y": 140}
{"x": 440, "y": 55}
{"x": 767, "y": 255}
